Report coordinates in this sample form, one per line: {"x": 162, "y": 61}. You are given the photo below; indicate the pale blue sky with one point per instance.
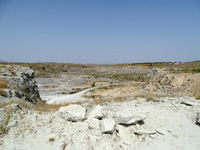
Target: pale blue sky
{"x": 99, "y": 31}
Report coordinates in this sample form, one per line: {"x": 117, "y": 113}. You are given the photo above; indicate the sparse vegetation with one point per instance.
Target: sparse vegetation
{"x": 3, "y": 127}
{"x": 98, "y": 89}
{"x": 195, "y": 70}
{"x": 64, "y": 93}
{"x": 51, "y": 139}
{"x": 3, "y": 84}
{"x": 93, "y": 84}
{"x": 76, "y": 90}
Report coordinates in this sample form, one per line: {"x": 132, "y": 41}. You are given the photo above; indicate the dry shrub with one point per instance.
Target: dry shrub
{"x": 139, "y": 96}
{"x": 3, "y": 84}
{"x": 2, "y": 92}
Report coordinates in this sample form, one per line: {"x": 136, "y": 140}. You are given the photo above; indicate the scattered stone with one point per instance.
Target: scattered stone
{"x": 127, "y": 118}
{"x": 72, "y": 112}
{"x": 107, "y": 125}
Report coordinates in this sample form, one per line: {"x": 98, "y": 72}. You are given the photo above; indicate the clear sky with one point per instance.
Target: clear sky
{"x": 99, "y": 31}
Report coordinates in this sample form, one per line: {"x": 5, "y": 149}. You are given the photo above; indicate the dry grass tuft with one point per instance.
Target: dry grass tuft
{"x": 2, "y": 92}
{"x": 139, "y": 96}
{"x": 3, "y": 84}
{"x": 43, "y": 107}
{"x": 101, "y": 100}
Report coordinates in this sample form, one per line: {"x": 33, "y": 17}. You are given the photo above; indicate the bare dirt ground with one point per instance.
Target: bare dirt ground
{"x": 168, "y": 96}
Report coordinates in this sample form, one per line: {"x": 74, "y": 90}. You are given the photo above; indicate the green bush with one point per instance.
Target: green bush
{"x": 195, "y": 70}
{"x": 93, "y": 84}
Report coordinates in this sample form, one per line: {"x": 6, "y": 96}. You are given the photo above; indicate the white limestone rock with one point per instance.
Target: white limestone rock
{"x": 72, "y": 112}
{"x": 107, "y": 125}
{"x": 93, "y": 123}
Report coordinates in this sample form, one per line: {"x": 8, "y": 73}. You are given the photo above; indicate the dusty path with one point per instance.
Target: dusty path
{"x": 63, "y": 99}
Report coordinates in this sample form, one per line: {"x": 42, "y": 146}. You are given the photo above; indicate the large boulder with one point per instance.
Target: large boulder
{"x": 107, "y": 125}
{"x": 72, "y": 112}
{"x": 21, "y": 84}
{"x": 127, "y": 118}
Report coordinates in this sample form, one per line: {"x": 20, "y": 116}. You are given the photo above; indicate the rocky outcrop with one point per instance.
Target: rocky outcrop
{"x": 21, "y": 84}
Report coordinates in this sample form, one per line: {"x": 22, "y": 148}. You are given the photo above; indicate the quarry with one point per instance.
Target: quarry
{"x": 100, "y": 107}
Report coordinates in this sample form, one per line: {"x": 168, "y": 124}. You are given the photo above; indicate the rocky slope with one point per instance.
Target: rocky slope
{"x": 175, "y": 84}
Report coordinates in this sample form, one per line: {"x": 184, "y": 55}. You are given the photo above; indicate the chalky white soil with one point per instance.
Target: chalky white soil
{"x": 169, "y": 125}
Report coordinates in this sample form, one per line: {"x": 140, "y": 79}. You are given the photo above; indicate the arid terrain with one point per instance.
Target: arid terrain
{"x": 100, "y": 107}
